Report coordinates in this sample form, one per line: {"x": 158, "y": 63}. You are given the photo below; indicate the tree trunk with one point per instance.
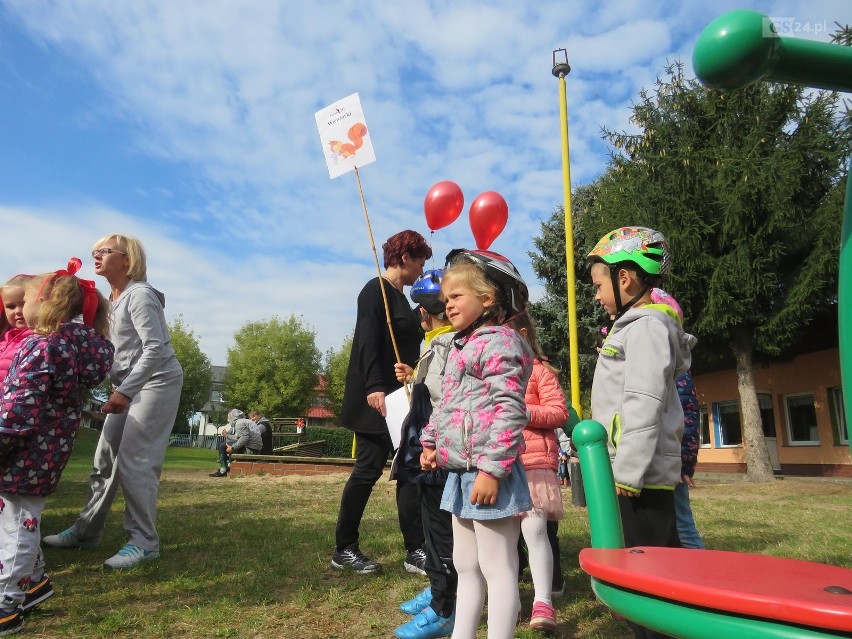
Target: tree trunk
{"x": 758, "y": 464}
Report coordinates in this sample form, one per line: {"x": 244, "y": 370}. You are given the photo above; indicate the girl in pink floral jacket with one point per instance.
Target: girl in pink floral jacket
{"x": 476, "y": 433}
{"x": 40, "y": 410}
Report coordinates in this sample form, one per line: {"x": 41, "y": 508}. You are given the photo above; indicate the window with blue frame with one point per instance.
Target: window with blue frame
{"x": 728, "y": 424}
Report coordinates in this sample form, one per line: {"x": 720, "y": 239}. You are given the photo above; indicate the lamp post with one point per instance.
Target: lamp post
{"x": 561, "y": 68}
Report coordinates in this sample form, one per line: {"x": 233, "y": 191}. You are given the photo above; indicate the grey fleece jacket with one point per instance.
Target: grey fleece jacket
{"x": 635, "y": 397}
{"x": 143, "y": 348}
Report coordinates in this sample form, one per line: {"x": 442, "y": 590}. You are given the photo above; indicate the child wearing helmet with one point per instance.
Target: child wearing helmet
{"x": 634, "y": 394}
{"x": 432, "y": 609}
{"x": 476, "y": 433}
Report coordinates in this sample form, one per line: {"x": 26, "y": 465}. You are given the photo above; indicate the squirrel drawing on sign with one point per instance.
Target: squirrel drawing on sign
{"x": 342, "y": 150}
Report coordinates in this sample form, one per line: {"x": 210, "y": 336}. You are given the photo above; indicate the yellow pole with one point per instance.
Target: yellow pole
{"x": 560, "y": 70}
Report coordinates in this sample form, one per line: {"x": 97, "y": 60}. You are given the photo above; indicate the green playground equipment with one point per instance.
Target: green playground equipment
{"x": 742, "y": 47}
{"x": 728, "y": 594}
{"x": 791, "y": 600}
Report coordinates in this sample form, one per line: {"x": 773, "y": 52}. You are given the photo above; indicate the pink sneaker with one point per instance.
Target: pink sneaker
{"x": 543, "y": 617}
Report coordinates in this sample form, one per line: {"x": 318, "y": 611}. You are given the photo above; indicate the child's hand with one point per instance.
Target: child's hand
{"x": 403, "y": 372}
{"x": 427, "y": 459}
{"x": 485, "y": 489}
{"x": 625, "y": 493}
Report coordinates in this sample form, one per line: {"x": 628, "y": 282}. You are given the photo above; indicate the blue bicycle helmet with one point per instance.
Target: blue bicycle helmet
{"x": 426, "y": 291}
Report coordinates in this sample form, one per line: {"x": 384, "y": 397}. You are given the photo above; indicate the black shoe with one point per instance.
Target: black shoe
{"x": 11, "y": 621}
{"x": 37, "y": 593}
{"x": 415, "y": 562}
{"x": 218, "y": 473}
{"x": 352, "y": 558}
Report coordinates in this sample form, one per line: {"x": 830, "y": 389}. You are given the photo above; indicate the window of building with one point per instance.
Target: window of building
{"x": 767, "y": 414}
{"x": 838, "y": 416}
{"x": 215, "y": 396}
{"x": 801, "y": 420}
{"x": 703, "y": 428}
{"x": 729, "y": 431}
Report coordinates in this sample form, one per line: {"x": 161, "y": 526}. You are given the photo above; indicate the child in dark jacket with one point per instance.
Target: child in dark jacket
{"x": 40, "y": 410}
{"x": 433, "y": 608}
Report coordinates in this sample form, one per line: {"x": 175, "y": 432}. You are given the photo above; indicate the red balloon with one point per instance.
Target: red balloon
{"x": 488, "y": 216}
{"x": 443, "y": 204}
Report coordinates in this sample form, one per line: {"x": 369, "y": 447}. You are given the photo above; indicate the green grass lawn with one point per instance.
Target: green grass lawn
{"x": 248, "y": 557}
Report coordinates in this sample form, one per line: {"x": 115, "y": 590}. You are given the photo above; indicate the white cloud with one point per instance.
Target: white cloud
{"x": 220, "y": 96}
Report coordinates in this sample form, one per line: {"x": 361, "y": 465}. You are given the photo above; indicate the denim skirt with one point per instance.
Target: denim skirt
{"x": 513, "y": 495}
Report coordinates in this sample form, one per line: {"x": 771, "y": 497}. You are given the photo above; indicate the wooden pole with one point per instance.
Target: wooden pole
{"x": 381, "y": 286}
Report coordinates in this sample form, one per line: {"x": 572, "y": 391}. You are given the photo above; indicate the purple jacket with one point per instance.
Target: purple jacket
{"x": 480, "y": 419}
{"x": 40, "y": 409}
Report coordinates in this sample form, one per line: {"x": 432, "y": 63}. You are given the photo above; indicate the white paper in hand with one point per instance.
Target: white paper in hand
{"x": 397, "y": 405}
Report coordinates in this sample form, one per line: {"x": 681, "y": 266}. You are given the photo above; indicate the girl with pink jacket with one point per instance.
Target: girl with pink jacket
{"x": 546, "y": 411}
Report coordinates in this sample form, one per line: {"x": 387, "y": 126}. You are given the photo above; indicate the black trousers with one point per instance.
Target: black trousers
{"x": 649, "y": 520}
{"x": 438, "y": 531}
{"x": 371, "y": 455}
{"x": 553, "y": 538}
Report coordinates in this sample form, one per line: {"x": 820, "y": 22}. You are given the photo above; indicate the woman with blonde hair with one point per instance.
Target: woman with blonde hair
{"x": 147, "y": 380}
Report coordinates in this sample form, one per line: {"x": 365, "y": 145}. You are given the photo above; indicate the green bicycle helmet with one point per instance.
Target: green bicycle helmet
{"x": 643, "y": 247}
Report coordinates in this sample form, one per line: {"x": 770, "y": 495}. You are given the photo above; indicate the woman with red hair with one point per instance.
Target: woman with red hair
{"x": 369, "y": 378}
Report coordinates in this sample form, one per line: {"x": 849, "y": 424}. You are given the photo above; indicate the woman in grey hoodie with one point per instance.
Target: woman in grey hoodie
{"x": 147, "y": 380}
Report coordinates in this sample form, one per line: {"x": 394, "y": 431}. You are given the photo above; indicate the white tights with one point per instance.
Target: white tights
{"x": 540, "y": 556}
{"x": 486, "y": 552}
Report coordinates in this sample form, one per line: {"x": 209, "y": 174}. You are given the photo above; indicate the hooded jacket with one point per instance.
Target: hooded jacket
{"x": 547, "y": 411}
{"x": 246, "y": 432}
{"x": 40, "y": 410}
{"x": 143, "y": 348}
{"x": 635, "y": 397}
{"x": 479, "y": 421}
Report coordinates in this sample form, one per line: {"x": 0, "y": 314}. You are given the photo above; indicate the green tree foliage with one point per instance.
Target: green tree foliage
{"x": 197, "y": 373}
{"x": 337, "y": 362}
{"x": 273, "y": 367}
{"x": 748, "y": 187}
{"x": 551, "y": 312}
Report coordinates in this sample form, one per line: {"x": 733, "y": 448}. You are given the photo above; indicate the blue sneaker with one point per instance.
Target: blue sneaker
{"x": 421, "y": 601}
{"x": 426, "y": 625}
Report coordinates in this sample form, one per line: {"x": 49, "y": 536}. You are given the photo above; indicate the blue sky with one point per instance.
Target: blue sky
{"x": 191, "y": 126}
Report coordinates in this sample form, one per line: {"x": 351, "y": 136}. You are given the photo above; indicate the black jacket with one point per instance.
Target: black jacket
{"x": 372, "y": 359}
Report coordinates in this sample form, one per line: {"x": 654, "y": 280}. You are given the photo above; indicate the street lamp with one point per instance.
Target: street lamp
{"x": 561, "y": 68}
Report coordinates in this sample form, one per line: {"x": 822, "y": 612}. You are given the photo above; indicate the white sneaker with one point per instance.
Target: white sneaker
{"x": 130, "y": 556}
{"x": 67, "y": 539}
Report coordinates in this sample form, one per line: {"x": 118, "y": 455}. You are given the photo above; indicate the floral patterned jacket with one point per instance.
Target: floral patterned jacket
{"x": 479, "y": 422}
{"x": 40, "y": 409}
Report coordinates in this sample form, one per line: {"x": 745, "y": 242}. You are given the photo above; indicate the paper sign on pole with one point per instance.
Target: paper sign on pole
{"x": 344, "y": 136}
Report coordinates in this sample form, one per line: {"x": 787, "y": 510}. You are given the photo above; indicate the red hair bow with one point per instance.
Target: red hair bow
{"x": 87, "y": 288}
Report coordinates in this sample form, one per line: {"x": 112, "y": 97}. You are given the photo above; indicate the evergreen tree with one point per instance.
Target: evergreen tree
{"x": 551, "y": 312}
{"x": 748, "y": 187}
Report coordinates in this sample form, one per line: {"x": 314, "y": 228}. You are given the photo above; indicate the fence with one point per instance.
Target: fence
{"x": 194, "y": 441}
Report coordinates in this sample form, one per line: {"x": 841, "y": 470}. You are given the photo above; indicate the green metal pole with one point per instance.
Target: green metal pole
{"x": 604, "y": 517}
{"x": 742, "y": 47}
